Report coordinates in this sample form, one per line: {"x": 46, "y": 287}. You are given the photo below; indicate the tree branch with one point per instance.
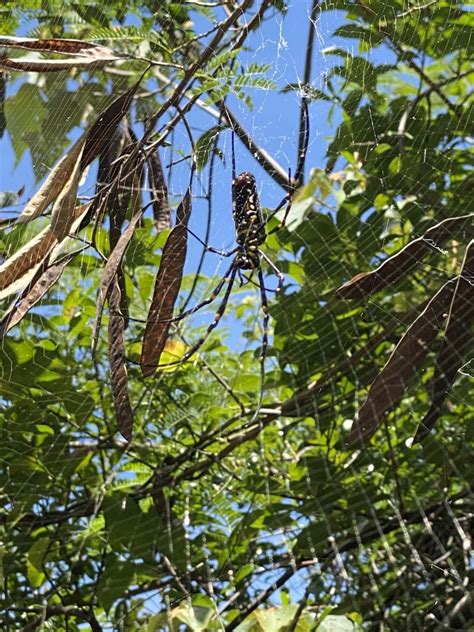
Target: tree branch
{"x": 367, "y": 536}
{"x": 410, "y": 62}
{"x": 460, "y": 616}
{"x": 199, "y": 63}
{"x": 271, "y": 166}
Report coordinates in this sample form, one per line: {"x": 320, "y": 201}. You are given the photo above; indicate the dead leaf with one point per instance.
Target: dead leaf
{"x": 115, "y": 189}
{"x": 57, "y": 45}
{"x": 84, "y": 54}
{"x": 118, "y": 368}
{"x": 61, "y": 185}
{"x": 22, "y": 266}
{"x": 53, "y": 185}
{"x": 126, "y": 187}
{"x": 103, "y": 128}
{"x": 167, "y": 286}
{"x": 90, "y": 144}
{"x": 41, "y": 283}
{"x": 392, "y": 269}
{"x": 110, "y": 270}
{"x": 456, "y": 341}
{"x": 159, "y": 192}
{"x": 25, "y": 64}
{"x": 391, "y": 383}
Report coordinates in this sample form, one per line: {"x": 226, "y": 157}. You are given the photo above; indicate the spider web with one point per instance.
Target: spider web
{"x": 209, "y": 515}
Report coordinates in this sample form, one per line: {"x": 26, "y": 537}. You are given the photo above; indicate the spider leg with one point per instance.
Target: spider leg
{"x": 214, "y": 250}
{"x": 244, "y": 279}
{"x": 230, "y": 274}
{"x": 279, "y": 207}
{"x": 266, "y": 318}
{"x": 234, "y": 170}
{"x": 249, "y": 279}
{"x": 302, "y": 151}
{"x": 280, "y": 275}
{"x": 219, "y": 313}
{"x": 212, "y": 297}
{"x": 263, "y": 350}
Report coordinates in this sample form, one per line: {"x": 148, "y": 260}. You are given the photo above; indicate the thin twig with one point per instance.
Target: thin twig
{"x": 254, "y": 22}
{"x": 262, "y": 597}
{"x": 414, "y": 9}
{"x": 191, "y": 71}
{"x": 370, "y": 534}
{"x": 271, "y": 166}
{"x": 301, "y": 606}
{"x": 66, "y": 611}
{"x": 302, "y": 137}
{"x": 265, "y": 160}
{"x": 225, "y": 385}
{"x": 409, "y": 61}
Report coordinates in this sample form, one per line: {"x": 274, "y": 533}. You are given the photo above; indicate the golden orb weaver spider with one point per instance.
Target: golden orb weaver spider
{"x": 250, "y": 233}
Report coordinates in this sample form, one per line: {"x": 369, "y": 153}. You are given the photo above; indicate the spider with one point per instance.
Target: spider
{"x": 250, "y": 230}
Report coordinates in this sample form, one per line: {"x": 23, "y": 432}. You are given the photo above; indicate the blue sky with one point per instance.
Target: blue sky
{"x": 273, "y": 123}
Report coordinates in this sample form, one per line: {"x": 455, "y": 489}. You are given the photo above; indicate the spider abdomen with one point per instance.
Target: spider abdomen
{"x": 248, "y": 220}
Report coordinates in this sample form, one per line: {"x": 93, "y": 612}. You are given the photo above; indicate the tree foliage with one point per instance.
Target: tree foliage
{"x": 213, "y": 514}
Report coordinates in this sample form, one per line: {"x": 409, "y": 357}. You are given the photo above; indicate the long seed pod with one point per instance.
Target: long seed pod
{"x": 118, "y": 368}
{"x": 167, "y": 285}
{"x": 391, "y": 383}
{"x": 456, "y": 341}
{"x": 393, "y": 269}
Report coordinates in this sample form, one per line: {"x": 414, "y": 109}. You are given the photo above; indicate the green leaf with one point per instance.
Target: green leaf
{"x": 359, "y": 32}
{"x": 204, "y": 145}
{"x": 337, "y": 623}
{"x": 276, "y": 619}
{"x": 36, "y": 559}
{"x": 115, "y": 580}
{"x": 8, "y": 198}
